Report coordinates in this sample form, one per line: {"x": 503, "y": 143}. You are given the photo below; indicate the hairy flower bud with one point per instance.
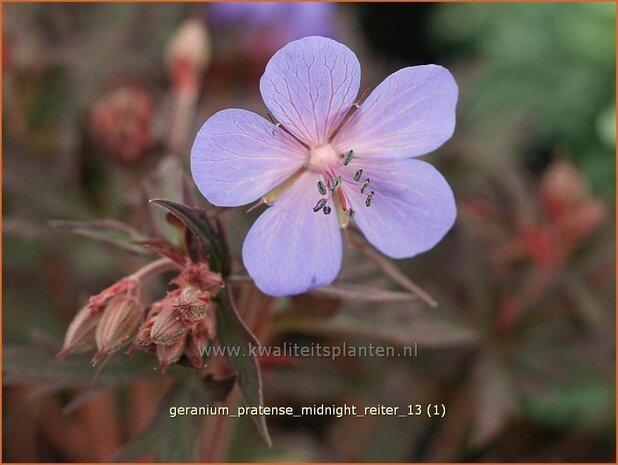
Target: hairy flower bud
{"x": 125, "y": 287}
{"x": 193, "y": 304}
{"x": 119, "y": 323}
{"x": 143, "y": 339}
{"x": 198, "y": 275}
{"x": 197, "y": 341}
{"x": 167, "y": 326}
{"x": 80, "y": 336}
{"x": 168, "y": 354}
{"x": 180, "y": 323}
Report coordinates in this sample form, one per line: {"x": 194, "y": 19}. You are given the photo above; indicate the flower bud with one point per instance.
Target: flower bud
{"x": 194, "y": 351}
{"x": 208, "y": 327}
{"x": 198, "y": 275}
{"x": 188, "y": 54}
{"x": 167, "y": 326}
{"x": 193, "y": 304}
{"x": 80, "y": 336}
{"x": 119, "y": 323}
{"x": 125, "y": 286}
{"x": 197, "y": 341}
{"x": 562, "y": 188}
{"x": 168, "y": 354}
{"x": 142, "y": 339}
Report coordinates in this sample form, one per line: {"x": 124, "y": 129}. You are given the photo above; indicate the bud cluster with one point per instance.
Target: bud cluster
{"x": 181, "y": 324}
{"x": 106, "y": 322}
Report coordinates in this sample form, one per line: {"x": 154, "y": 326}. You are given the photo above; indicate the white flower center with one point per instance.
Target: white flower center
{"x": 323, "y": 159}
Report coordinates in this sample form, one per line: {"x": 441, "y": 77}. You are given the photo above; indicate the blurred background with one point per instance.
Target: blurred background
{"x": 101, "y": 103}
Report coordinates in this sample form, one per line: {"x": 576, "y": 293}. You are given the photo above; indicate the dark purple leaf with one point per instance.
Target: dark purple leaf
{"x": 196, "y": 220}
{"x": 234, "y": 334}
{"x": 107, "y": 231}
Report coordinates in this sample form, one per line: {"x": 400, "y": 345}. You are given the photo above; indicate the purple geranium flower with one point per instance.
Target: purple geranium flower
{"x": 324, "y": 163}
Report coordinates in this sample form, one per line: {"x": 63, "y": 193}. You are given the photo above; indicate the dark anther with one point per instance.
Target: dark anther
{"x": 335, "y": 183}
{"x": 321, "y": 188}
{"x": 319, "y": 205}
{"x": 347, "y": 157}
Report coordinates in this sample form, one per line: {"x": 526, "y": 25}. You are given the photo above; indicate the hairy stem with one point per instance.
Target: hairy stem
{"x": 154, "y": 268}
{"x": 393, "y": 272}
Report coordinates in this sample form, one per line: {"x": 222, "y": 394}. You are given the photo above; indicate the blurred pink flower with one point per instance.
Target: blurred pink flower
{"x": 120, "y": 122}
{"x": 268, "y": 26}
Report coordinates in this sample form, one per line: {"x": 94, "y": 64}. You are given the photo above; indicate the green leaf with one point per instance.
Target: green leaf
{"x": 196, "y": 220}
{"x": 234, "y": 335}
{"x": 588, "y": 400}
{"x": 175, "y": 439}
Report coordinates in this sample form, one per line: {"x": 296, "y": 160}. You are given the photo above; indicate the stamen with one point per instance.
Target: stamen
{"x": 335, "y": 183}
{"x": 274, "y": 194}
{"x": 340, "y": 208}
{"x": 284, "y": 129}
{"x": 365, "y": 186}
{"x": 255, "y": 205}
{"x": 321, "y": 188}
{"x": 349, "y": 114}
{"x": 326, "y": 210}
{"x": 358, "y": 175}
{"x": 319, "y": 205}
{"x": 350, "y": 212}
{"x": 341, "y": 198}
{"x": 347, "y": 157}
{"x": 369, "y": 199}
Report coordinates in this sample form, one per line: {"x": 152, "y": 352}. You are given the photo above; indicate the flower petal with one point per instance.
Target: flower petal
{"x": 239, "y": 156}
{"x": 290, "y": 249}
{"x": 411, "y": 113}
{"x": 413, "y": 206}
{"x": 309, "y": 85}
